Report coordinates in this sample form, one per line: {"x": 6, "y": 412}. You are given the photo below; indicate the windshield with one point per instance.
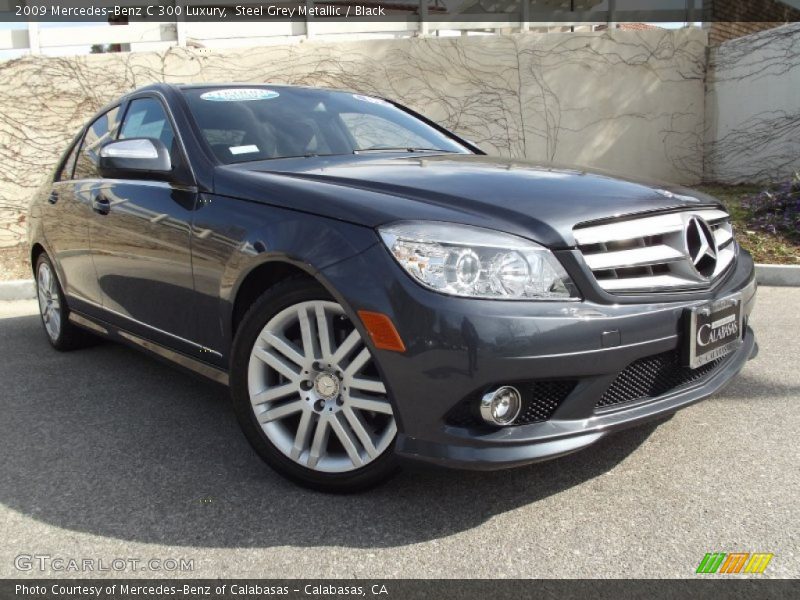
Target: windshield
{"x": 257, "y": 123}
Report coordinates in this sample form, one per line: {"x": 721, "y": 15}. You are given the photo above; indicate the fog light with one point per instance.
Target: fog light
{"x": 501, "y": 407}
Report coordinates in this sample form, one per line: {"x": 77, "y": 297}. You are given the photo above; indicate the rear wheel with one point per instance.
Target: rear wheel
{"x": 308, "y": 394}
{"x": 61, "y": 333}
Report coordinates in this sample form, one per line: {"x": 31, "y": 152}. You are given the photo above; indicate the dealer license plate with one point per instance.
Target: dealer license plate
{"x": 714, "y": 330}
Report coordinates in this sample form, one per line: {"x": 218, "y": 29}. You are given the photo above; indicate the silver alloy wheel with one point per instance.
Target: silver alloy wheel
{"x": 311, "y": 375}
{"x": 49, "y": 305}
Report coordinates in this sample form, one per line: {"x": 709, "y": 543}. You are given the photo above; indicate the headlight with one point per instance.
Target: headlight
{"x": 480, "y": 263}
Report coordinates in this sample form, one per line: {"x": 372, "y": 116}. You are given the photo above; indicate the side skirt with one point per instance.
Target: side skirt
{"x": 126, "y": 337}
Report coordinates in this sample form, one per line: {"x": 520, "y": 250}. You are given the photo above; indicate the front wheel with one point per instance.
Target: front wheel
{"x": 308, "y": 394}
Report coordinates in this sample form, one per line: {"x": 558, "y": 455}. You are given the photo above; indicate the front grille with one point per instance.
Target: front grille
{"x": 540, "y": 399}
{"x": 653, "y": 376}
{"x": 656, "y": 253}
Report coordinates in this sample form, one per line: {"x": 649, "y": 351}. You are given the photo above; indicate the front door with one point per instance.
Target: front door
{"x": 141, "y": 242}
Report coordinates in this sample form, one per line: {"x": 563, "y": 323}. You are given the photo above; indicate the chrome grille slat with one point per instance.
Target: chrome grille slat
{"x": 712, "y": 216}
{"x": 726, "y": 256}
{"x": 656, "y": 283}
{"x": 635, "y": 257}
{"x": 626, "y": 230}
{"x": 723, "y": 235}
{"x": 651, "y": 252}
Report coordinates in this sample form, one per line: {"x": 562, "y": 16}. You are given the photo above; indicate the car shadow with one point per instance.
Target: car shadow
{"x": 749, "y": 384}
{"x": 110, "y": 442}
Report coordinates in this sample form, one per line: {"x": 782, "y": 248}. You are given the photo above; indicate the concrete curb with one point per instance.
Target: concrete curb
{"x": 780, "y": 275}
{"x": 19, "y": 289}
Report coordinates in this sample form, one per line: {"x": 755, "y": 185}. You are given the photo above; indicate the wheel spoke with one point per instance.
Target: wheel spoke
{"x": 52, "y": 323}
{"x": 346, "y": 438}
{"x": 284, "y": 347}
{"x": 273, "y": 393}
{"x": 302, "y": 436}
{"x": 44, "y": 275}
{"x": 319, "y": 443}
{"x": 273, "y": 414}
{"x": 379, "y": 406}
{"x": 361, "y": 359}
{"x": 348, "y": 345}
{"x": 358, "y": 427}
{"x": 323, "y": 332}
{"x": 276, "y": 363}
{"x": 368, "y": 385}
{"x": 391, "y": 430}
{"x": 306, "y": 334}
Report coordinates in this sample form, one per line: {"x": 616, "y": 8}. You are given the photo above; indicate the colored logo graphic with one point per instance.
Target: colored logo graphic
{"x": 734, "y": 562}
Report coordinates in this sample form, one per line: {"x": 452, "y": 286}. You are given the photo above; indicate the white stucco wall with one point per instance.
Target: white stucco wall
{"x": 753, "y": 108}
{"x": 631, "y": 102}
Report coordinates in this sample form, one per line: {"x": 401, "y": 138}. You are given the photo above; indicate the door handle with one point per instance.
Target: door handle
{"x": 53, "y": 198}
{"x": 101, "y": 205}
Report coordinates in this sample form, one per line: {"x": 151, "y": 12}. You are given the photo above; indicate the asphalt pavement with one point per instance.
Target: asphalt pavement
{"x": 108, "y": 454}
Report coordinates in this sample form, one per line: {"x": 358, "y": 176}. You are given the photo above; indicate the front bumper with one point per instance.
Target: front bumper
{"x": 457, "y": 348}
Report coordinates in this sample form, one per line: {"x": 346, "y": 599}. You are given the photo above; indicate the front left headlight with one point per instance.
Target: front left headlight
{"x": 462, "y": 260}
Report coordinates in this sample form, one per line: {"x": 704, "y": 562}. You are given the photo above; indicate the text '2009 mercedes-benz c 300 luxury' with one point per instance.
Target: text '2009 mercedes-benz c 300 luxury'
{"x": 374, "y": 288}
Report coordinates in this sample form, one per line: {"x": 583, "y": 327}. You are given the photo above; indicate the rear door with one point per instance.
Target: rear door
{"x": 68, "y": 214}
{"x": 141, "y": 241}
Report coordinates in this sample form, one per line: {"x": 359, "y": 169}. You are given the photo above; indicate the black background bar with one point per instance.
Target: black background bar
{"x": 715, "y": 587}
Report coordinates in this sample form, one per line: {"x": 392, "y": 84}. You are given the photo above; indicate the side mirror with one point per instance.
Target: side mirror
{"x": 135, "y": 158}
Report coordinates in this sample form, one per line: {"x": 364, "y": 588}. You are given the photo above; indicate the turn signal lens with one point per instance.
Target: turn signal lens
{"x": 382, "y": 331}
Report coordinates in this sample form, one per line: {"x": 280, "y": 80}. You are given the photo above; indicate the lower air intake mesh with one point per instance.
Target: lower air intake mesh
{"x": 653, "y": 376}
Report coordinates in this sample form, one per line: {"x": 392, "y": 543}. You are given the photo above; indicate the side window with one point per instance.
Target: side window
{"x": 98, "y": 133}
{"x": 372, "y": 131}
{"x": 146, "y": 119}
{"x": 68, "y": 165}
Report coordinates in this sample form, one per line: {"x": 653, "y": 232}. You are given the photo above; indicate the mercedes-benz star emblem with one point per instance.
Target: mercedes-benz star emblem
{"x": 701, "y": 246}
{"x": 327, "y": 385}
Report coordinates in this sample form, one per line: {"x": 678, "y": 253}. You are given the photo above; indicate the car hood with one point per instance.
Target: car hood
{"x": 542, "y": 203}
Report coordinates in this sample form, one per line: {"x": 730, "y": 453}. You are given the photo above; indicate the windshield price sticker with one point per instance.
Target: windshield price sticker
{"x": 239, "y": 95}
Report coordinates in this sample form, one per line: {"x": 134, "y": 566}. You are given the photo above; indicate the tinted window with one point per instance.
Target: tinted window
{"x": 372, "y": 131}
{"x": 257, "y": 123}
{"x": 69, "y": 163}
{"x": 146, "y": 118}
{"x": 100, "y": 132}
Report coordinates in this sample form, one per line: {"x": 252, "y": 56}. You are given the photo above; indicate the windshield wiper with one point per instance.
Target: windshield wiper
{"x": 401, "y": 149}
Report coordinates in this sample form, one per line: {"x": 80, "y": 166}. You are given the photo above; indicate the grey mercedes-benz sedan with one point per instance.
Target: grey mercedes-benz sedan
{"x": 373, "y": 287}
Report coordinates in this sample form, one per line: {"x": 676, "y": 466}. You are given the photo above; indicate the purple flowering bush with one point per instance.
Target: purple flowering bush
{"x": 776, "y": 210}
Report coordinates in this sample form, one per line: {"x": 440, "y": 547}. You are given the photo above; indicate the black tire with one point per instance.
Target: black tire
{"x": 70, "y": 336}
{"x": 281, "y": 296}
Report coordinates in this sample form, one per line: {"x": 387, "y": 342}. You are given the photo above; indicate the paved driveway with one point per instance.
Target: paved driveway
{"x": 105, "y": 453}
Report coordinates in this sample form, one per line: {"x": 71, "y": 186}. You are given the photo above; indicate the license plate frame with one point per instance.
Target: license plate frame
{"x": 713, "y": 330}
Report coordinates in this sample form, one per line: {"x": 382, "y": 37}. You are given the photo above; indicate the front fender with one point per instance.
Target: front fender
{"x": 231, "y": 238}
